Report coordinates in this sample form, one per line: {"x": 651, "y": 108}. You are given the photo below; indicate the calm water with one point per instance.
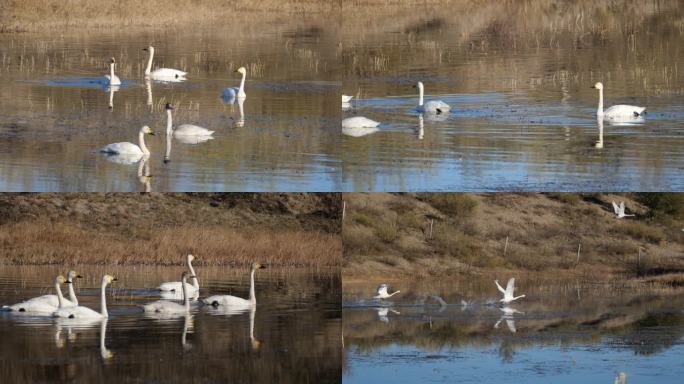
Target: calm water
{"x": 523, "y": 113}
{"x": 292, "y": 337}
{"x": 565, "y": 333}
{"x": 283, "y": 137}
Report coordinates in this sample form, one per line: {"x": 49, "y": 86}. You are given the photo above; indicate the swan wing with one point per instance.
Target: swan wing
{"x": 77, "y": 312}
{"x": 382, "y": 289}
{"x": 621, "y": 111}
{"x": 191, "y": 130}
{"x": 616, "y": 208}
{"x": 50, "y": 300}
{"x": 436, "y": 107}
{"x": 510, "y": 287}
{"x": 167, "y": 73}
{"x": 499, "y": 287}
{"x": 176, "y": 286}
{"x": 230, "y": 93}
{"x": 359, "y": 122}
{"x": 123, "y": 148}
{"x": 227, "y": 300}
{"x": 164, "y": 307}
{"x": 622, "y": 207}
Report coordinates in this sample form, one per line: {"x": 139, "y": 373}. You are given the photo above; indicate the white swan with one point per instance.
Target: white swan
{"x": 163, "y": 74}
{"x": 43, "y": 305}
{"x": 381, "y": 292}
{"x": 184, "y": 129}
{"x": 127, "y": 149}
{"x": 112, "y": 79}
{"x": 620, "y": 210}
{"x": 358, "y": 126}
{"x": 508, "y": 292}
{"x": 177, "y": 285}
{"x": 165, "y": 307}
{"x": 233, "y": 301}
{"x": 432, "y": 106}
{"x": 616, "y": 111}
{"x": 80, "y": 312}
{"x": 346, "y": 99}
{"x": 233, "y": 92}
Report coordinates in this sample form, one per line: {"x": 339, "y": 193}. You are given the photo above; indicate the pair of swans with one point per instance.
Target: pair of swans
{"x": 47, "y": 304}
{"x": 85, "y": 313}
{"x": 177, "y": 286}
{"x": 620, "y": 210}
{"x": 166, "y": 307}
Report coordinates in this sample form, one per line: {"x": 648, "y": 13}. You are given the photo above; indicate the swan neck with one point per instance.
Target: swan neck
{"x": 420, "y": 97}
{"x": 111, "y": 72}
{"x": 60, "y": 298}
{"x": 252, "y": 296}
{"x": 167, "y": 155}
{"x": 149, "y": 63}
{"x": 169, "y": 122}
{"x": 242, "y": 83}
{"x": 141, "y": 141}
{"x": 103, "y": 300}
{"x": 72, "y": 294}
{"x": 195, "y": 281}
{"x": 600, "y": 105}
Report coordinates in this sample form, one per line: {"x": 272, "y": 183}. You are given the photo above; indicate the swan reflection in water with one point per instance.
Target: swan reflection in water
{"x": 508, "y": 313}
{"x": 111, "y": 89}
{"x": 240, "y": 122}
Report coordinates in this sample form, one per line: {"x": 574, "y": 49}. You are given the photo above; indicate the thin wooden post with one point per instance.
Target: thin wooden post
{"x": 579, "y": 248}
{"x": 432, "y": 222}
{"x": 344, "y": 208}
{"x": 506, "y": 246}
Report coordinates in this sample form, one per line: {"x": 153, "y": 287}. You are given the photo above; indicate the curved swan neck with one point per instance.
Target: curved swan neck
{"x": 420, "y": 94}
{"x": 141, "y": 141}
{"x": 195, "y": 281}
{"x": 103, "y": 300}
{"x": 60, "y": 298}
{"x": 241, "y": 91}
{"x": 111, "y": 71}
{"x": 599, "y": 112}
{"x": 149, "y": 62}
{"x": 252, "y": 296}
{"x": 72, "y": 294}
{"x": 169, "y": 122}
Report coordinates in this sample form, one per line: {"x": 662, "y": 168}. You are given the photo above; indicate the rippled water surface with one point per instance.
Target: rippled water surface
{"x": 292, "y": 337}
{"x": 560, "y": 333}
{"x": 523, "y": 113}
{"x": 283, "y": 137}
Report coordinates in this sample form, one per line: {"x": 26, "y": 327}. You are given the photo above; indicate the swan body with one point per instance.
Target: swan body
{"x": 164, "y": 307}
{"x": 43, "y": 305}
{"x": 236, "y": 92}
{"x": 80, "y": 312}
{"x": 112, "y": 79}
{"x": 359, "y": 122}
{"x": 620, "y": 210}
{"x": 163, "y": 74}
{"x": 177, "y": 286}
{"x": 233, "y": 301}
{"x": 129, "y": 149}
{"x": 381, "y": 292}
{"x": 433, "y": 106}
{"x": 508, "y": 292}
{"x": 617, "y": 112}
{"x": 184, "y": 129}
{"x": 346, "y": 99}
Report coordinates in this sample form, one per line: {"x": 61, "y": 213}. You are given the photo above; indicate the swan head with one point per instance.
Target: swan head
{"x": 109, "y": 279}
{"x": 598, "y": 85}
{"x": 112, "y": 60}
{"x": 149, "y": 49}
{"x": 62, "y": 280}
{"x": 419, "y": 85}
{"x": 147, "y": 130}
{"x": 168, "y": 107}
{"x": 191, "y": 257}
{"x": 241, "y": 70}
{"x": 257, "y": 265}
{"x": 256, "y": 344}
{"x": 73, "y": 274}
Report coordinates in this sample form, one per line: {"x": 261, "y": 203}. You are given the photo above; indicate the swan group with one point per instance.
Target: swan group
{"x": 81, "y": 312}
{"x": 167, "y": 307}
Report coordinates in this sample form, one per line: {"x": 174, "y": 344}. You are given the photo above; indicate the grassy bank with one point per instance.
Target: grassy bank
{"x": 450, "y": 234}
{"x": 283, "y": 229}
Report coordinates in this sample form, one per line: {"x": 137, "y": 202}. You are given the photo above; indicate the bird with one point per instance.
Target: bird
{"x": 112, "y": 79}
{"x": 128, "y": 150}
{"x": 432, "y": 106}
{"x": 183, "y": 129}
{"x": 230, "y": 93}
{"x": 81, "y": 312}
{"x": 508, "y": 292}
{"x": 176, "y": 286}
{"x": 163, "y": 74}
{"x": 620, "y": 210}
{"x": 233, "y": 301}
{"x": 346, "y": 99}
{"x": 381, "y": 292}
{"x": 616, "y": 111}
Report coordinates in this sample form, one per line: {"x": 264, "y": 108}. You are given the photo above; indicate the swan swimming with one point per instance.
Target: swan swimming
{"x": 508, "y": 292}
{"x": 616, "y": 111}
{"x": 358, "y": 126}
{"x": 112, "y": 79}
{"x": 163, "y": 74}
{"x": 165, "y": 307}
{"x": 184, "y": 129}
{"x": 43, "y": 305}
{"x": 80, "y": 312}
{"x": 233, "y": 301}
{"x": 620, "y": 210}
{"x": 233, "y": 92}
{"x": 129, "y": 149}
{"x": 346, "y": 99}
{"x": 381, "y": 292}
{"x": 432, "y": 106}
{"x": 177, "y": 285}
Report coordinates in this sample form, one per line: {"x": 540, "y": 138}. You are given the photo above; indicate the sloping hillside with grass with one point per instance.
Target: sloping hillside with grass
{"x": 453, "y": 233}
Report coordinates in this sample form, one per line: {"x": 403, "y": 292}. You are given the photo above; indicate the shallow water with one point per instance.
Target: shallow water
{"x": 294, "y": 336}
{"x": 523, "y": 113}
{"x": 54, "y": 114}
{"x": 563, "y": 333}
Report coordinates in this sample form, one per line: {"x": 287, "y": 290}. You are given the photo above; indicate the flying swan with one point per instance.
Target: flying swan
{"x": 620, "y": 210}
{"x": 616, "y": 111}
{"x": 433, "y": 106}
{"x": 508, "y": 292}
{"x": 80, "y": 312}
{"x": 233, "y": 301}
{"x": 184, "y": 129}
{"x": 230, "y": 93}
{"x": 381, "y": 292}
{"x": 177, "y": 285}
{"x": 164, "y": 74}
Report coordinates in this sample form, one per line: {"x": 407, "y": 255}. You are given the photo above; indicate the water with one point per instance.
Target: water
{"x": 292, "y": 337}
{"x": 281, "y": 138}
{"x": 561, "y": 332}
{"x": 523, "y": 113}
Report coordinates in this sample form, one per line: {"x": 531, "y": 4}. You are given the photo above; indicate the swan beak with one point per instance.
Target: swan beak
{"x": 115, "y": 279}
{"x": 262, "y": 266}
{"x": 592, "y": 87}
{"x": 67, "y": 282}
{"x": 152, "y": 133}
{"x": 79, "y": 276}
{"x": 144, "y": 49}
{"x": 166, "y": 161}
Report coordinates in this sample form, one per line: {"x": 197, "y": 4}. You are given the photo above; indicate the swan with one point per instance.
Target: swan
{"x": 81, "y": 312}
{"x": 616, "y": 111}
{"x": 233, "y": 301}
{"x": 358, "y": 126}
{"x": 346, "y": 99}
{"x": 508, "y": 292}
{"x": 177, "y": 285}
{"x": 43, "y": 304}
{"x": 184, "y": 129}
{"x": 620, "y": 210}
{"x": 112, "y": 79}
{"x": 432, "y": 106}
{"x": 381, "y": 292}
{"x": 164, "y": 74}
{"x": 130, "y": 150}
{"x": 53, "y": 300}
{"x": 165, "y": 307}
{"x": 233, "y": 92}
